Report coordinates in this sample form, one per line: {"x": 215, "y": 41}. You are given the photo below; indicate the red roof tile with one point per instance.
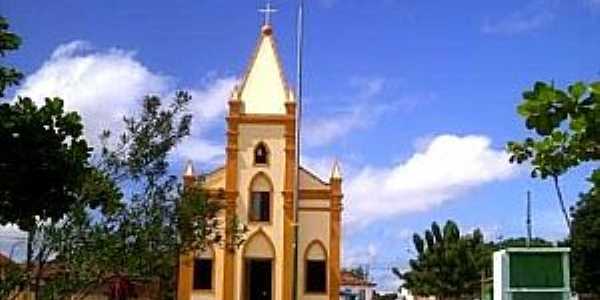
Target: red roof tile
{"x": 348, "y": 278}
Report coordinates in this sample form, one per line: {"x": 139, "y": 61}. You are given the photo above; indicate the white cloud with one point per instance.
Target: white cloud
{"x": 209, "y": 104}
{"x": 12, "y": 241}
{"x": 105, "y": 85}
{"x": 358, "y": 254}
{"x": 531, "y": 17}
{"x": 367, "y": 101}
{"x": 324, "y": 131}
{"x": 101, "y": 85}
{"x": 200, "y": 150}
{"x": 321, "y": 166}
{"x": 359, "y": 111}
{"x": 449, "y": 166}
{"x": 405, "y": 234}
{"x": 12, "y": 230}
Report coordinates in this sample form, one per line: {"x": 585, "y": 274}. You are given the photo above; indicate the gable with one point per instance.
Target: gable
{"x": 215, "y": 179}
{"x": 310, "y": 181}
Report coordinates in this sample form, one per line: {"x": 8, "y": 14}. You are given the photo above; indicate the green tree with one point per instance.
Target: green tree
{"x": 119, "y": 219}
{"x": 447, "y": 265}
{"x": 522, "y": 242}
{"x": 142, "y": 239}
{"x": 585, "y": 243}
{"x": 567, "y": 128}
{"x": 43, "y": 167}
{"x": 9, "y": 41}
{"x": 45, "y": 172}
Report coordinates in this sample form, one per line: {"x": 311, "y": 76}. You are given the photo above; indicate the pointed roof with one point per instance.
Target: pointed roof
{"x": 264, "y": 89}
{"x": 189, "y": 169}
{"x": 336, "y": 172}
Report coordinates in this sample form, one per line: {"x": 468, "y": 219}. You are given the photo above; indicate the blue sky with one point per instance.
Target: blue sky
{"x": 415, "y": 98}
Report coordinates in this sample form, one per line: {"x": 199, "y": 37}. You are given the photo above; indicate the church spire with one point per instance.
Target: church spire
{"x": 264, "y": 89}
{"x": 189, "y": 169}
{"x": 336, "y": 172}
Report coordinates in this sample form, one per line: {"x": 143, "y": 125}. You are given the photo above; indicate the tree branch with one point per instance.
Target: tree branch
{"x": 561, "y": 202}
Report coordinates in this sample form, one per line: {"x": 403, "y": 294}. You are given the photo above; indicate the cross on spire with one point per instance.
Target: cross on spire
{"x": 268, "y": 10}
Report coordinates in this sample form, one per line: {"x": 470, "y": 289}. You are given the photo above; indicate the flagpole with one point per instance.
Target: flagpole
{"x": 299, "y": 41}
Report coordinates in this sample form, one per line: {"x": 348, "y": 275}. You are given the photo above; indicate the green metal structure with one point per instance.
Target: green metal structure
{"x": 532, "y": 274}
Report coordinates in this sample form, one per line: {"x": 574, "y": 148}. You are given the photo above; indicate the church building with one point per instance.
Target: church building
{"x": 257, "y": 185}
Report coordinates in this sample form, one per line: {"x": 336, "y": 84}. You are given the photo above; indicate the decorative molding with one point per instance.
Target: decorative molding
{"x": 335, "y": 233}
{"x": 315, "y": 209}
{"x": 231, "y": 196}
{"x": 289, "y": 121}
{"x": 268, "y": 119}
{"x": 315, "y": 194}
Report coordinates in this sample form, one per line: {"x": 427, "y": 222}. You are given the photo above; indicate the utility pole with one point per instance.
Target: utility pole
{"x": 299, "y": 65}
{"x": 528, "y": 219}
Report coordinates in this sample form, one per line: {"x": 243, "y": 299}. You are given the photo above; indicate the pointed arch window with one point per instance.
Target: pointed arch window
{"x": 261, "y": 154}
{"x": 315, "y": 268}
{"x": 204, "y": 271}
{"x": 261, "y": 191}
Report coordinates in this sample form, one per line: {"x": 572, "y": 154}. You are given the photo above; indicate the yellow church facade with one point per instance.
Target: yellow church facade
{"x": 257, "y": 185}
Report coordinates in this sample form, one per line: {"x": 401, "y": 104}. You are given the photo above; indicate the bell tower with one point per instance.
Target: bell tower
{"x": 262, "y": 121}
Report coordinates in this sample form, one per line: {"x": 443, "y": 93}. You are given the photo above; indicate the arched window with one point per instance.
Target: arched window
{"x": 261, "y": 154}
{"x": 315, "y": 268}
{"x": 261, "y": 191}
{"x": 204, "y": 270}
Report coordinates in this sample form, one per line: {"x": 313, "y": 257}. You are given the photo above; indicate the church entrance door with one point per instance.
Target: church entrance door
{"x": 259, "y": 279}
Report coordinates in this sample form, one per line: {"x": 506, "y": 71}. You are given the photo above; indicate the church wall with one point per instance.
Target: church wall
{"x": 314, "y": 203}
{"x": 273, "y": 136}
{"x": 314, "y": 225}
{"x": 219, "y": 257}
{"x": 215, "y": 180}
{"x": 308, "y": 181}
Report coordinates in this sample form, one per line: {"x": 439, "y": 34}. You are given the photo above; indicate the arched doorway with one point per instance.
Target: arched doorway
{"x": 259, "y": 266}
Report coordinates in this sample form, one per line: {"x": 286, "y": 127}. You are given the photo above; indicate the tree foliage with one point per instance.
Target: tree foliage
{"x": 114, "y": 221}
{"x": 585, "y": 243}
{"x": 447, "y": 265}
{"x": 141, "y": 239}
{"x": 9, "y": 41}
{"x": 567, "y": 127}
{"x": 521, "y": 242}
{"x": 44, "y": 170}
{"x": 43, "y": 161}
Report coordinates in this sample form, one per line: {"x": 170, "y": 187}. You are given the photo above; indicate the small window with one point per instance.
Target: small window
{"x": 203, "y": 274}
{"x": 261, "y": 154}
{"x": 260, "y": 210}
{"x": 316, "y": 276}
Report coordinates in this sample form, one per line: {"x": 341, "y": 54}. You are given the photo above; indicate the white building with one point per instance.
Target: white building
{"x": 353, "y": 287}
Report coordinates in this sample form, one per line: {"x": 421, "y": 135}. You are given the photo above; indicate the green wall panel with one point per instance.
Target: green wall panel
{"x": 536, "y": 270}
